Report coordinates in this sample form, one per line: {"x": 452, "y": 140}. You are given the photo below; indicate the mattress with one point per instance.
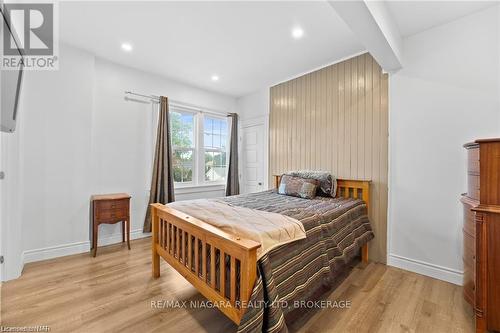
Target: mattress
{"x": 336, "y": 228}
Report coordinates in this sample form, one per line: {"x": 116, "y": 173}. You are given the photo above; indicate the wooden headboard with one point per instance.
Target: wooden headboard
{"x": 347, "y": 188}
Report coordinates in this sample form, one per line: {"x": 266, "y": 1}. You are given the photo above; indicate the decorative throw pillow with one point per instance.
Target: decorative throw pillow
{"x": 327, "y": 183}
{"x": 298, "y": 187}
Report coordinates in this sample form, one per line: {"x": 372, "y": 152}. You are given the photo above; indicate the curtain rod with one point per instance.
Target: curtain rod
{"x": 180, "y": 104}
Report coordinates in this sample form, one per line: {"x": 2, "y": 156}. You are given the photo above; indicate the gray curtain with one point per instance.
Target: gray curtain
{"x": 162, "y": 183}
{"x": 233, "y": 183}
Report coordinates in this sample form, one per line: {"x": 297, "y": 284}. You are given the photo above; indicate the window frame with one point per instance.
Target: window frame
{"x": 198, "y": 178}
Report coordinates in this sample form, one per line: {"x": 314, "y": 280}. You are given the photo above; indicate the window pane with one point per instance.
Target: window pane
{"x": 182, "y": 164}
{"x": 182, "y": 129}
{"x": 223, "y": 142}
{"x": 217, "y": 141}
{"x": 215, "y": 132}
{"x": 223, "y": 161}
{"x": 209, "y": 124}
{"x": 207, "y": 140}
{"x": 217, "y": 126}
{"x": 215, "y": 166}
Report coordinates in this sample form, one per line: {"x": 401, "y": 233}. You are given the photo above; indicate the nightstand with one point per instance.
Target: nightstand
{"x": 110, "y": 209}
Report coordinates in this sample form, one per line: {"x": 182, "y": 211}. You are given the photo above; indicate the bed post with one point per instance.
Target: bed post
{"x": 249, "y": 275}
{"x": 277, "y": 179}
{"x": 155, "y": 257}
{"x": 364, "y": 253}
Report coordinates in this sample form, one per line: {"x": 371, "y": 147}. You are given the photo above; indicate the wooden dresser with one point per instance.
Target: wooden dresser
{"x": 108, "y": 209}
{"x": 481, "y": 233}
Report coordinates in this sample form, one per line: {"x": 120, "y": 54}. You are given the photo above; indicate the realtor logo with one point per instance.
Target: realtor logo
{"x": 34, "y": 25}
{"x": 29, "y": 36}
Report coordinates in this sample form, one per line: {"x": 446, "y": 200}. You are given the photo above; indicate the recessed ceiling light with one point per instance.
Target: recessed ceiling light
{"x": 297, "y": 33}
{"x": 215, "y": 78}
{"x": 127, "y": 47}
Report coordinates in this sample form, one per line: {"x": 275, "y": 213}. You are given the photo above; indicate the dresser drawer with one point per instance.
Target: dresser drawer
{"x": 473, "y": 184}
{"x": 469, "y": 221}
{"x": 473, "y": 161}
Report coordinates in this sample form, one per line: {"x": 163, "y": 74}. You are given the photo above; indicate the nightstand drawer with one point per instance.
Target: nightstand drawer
{"x": 112, "y": 204}
{"x": 112, "y": 214}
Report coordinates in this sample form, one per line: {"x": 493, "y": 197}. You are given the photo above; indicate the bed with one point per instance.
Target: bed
{"x": 257, "y": 292}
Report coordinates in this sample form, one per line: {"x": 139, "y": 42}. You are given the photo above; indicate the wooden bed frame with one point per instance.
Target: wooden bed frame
{"x": 186, "y": 243}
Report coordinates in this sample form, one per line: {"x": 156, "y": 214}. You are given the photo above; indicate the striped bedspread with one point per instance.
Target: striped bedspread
{"x": 336, "y": 228}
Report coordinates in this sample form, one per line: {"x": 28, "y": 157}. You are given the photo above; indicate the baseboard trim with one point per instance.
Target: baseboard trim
{"x": 427, "y": 269}
{"x": 75, "y": 248}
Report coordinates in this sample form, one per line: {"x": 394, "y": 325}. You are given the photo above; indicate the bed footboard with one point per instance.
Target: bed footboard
{"x": 221, "y": 266}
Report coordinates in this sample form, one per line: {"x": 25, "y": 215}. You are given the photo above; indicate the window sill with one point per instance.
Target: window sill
{"x": 198, "y": 188}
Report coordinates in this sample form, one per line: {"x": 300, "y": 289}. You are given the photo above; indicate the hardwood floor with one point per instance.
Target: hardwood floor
{"x": 113, "y": 293}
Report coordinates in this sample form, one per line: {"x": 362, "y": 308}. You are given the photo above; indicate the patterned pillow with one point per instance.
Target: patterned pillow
{"x": 327, "y": 183}
{"x": 298, "y": 187}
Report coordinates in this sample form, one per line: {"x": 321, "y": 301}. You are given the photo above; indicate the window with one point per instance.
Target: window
{"x": 199, "y": 146}
{"x": 214, "y": 143}
{"x": 182, "y": 126}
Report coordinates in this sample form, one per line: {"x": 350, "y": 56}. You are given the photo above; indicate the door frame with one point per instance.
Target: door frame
{"x": 256, "y": 121}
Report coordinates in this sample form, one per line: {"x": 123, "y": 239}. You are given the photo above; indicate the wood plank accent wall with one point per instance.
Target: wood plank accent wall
{"x": 336, "y": 119}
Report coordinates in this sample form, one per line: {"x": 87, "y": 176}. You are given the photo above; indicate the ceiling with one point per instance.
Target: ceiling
{"x": 415, "y": 16}
{"x": 247, "y": 44}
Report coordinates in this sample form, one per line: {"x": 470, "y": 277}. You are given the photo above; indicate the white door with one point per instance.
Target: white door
{"x": 252, "y": 177}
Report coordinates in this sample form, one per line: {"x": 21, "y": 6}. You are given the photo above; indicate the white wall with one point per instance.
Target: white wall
{"x": 446, "y": 95}
{"x": 498, "y": 53}
{"x": 78, "y": 136}
{"x": 254, "y": 105}
{"x": 57, "y": 114}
